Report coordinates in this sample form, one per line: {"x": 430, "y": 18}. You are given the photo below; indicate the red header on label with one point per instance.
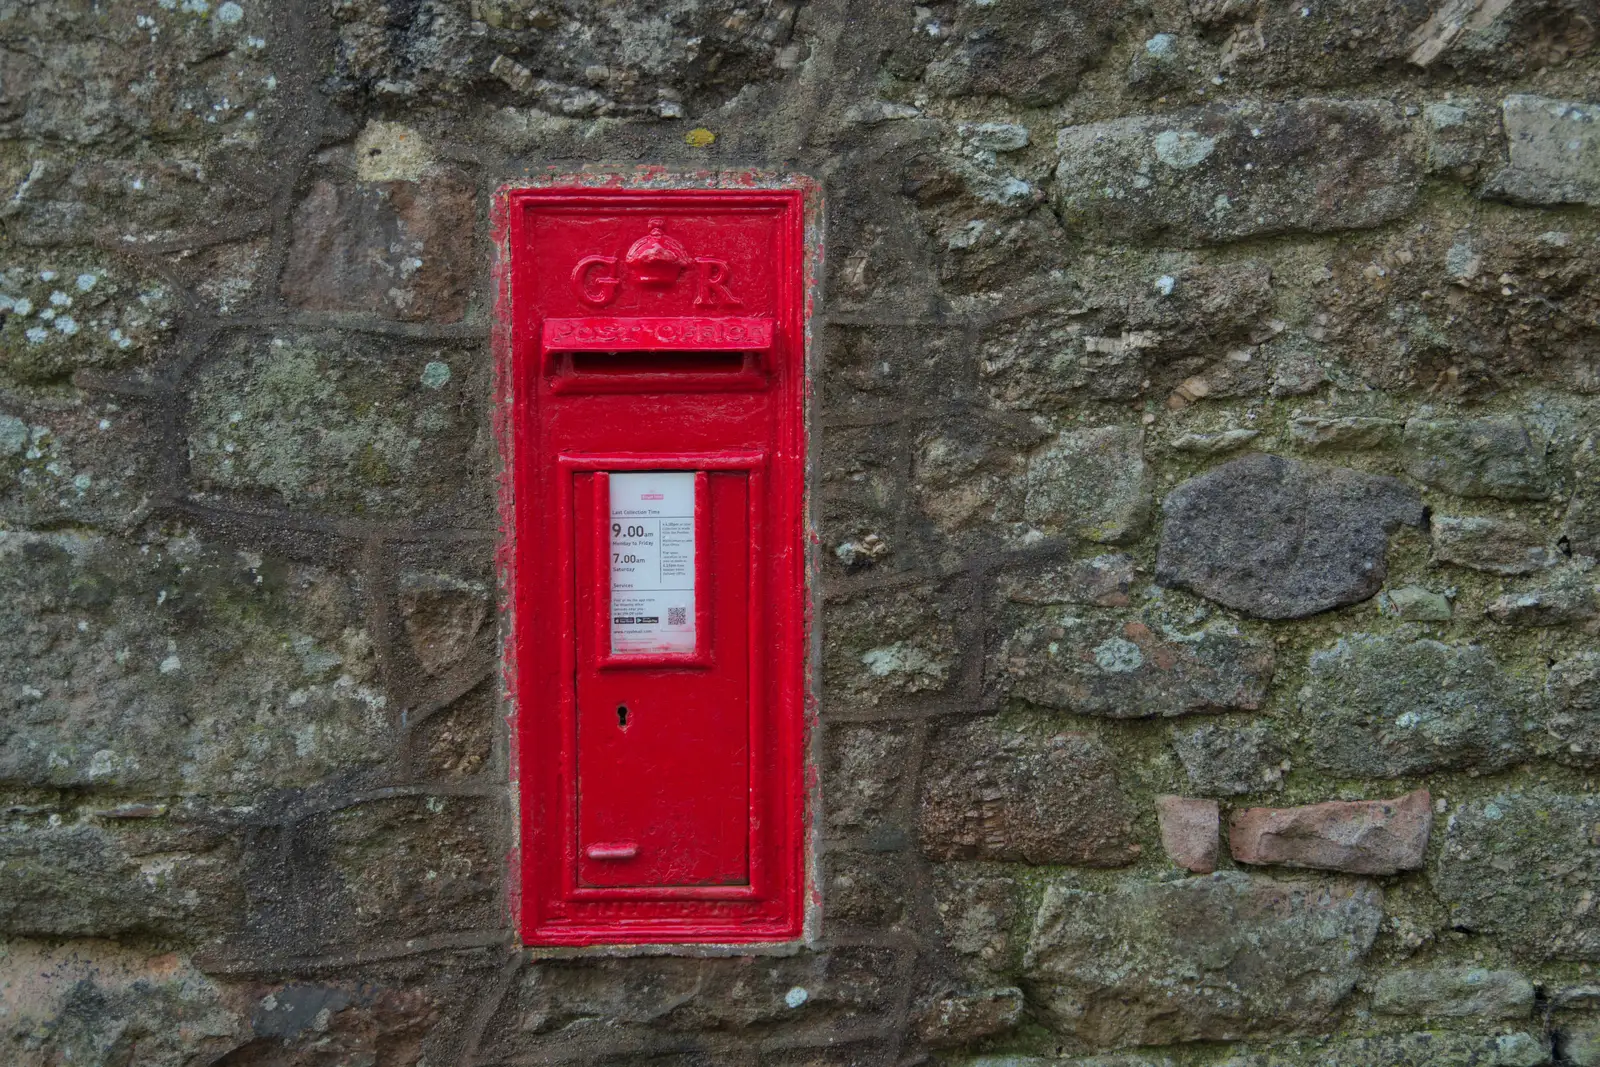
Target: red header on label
{"x": 720, "y": 333}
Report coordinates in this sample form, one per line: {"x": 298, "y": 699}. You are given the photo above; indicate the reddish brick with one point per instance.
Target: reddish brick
{"x": 1358, "y": 837}
{"x": 1189, "y": 831}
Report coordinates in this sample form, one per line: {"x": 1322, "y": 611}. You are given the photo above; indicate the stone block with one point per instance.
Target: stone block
{"x": 1233, "y": 171}
{"x": 388, "y": 870}
{"x": 1102, "y": 581}
{"x": 1582, "y": 524}
{"x": 83, "y": 461}
{"x": 1352, "y": 432}
{"x": 1281, "y": 539}
{"x": 1383, "y": 706}
{"x": 1522, "y": 868}
{"x": 1313, "y": 46}
{"x": 1091, "y": 483}
{"x": 348, "y": 425}
{"x": 64, "y": 313}
{"x": 1493, "y": 457}
{"x": 642, "y": 61}
{"x": 1572, "y": 721}
{"x": 122, "y": 872}
{"x": 1580, "y": 1045}
{"x": 1214, "y": 444}
{"x": 866, "y": 765}
{"x": 1429, "y": 1048}
{"x": 1225, "y": 759}
{"x": 891, "y": 644}
{"x": 558, "y": 1005}
{"x": 175, "y": 667}
{"x": 1463, "y": 136}
{"x": 1453, "y": 992}
{"x": 1414, "y": 603}
{"x": 1356, "y": 837}
{"x": 1570, "y": 594}
{"x": 1105, "y": 664}
{"x": 1498, "y": 546}
{"x": 1552, "y": 152}
{"x": 1189, "y": 832}
{"x": 997, "y": 790}
{"x": 981, "y": 917}
{"x": 970, "y": 474}
{"x": 1032, "y": 52}
{"x": 94, "y": 1002}
{"x": 1140, "y": 330}
{"x": 458, "y": 741}
{"x": 202, "y": 78}
{"x": 863, "y": 888}
{"x": 442, "y": 614}
{"x": 965, "y": 1018}
{"x": 399, "y": 249}
{"x": 1212, "y": 958}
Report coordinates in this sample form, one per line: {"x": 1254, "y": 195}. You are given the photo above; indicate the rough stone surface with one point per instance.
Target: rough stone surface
{"x": 1281, "y": 539}
{"x": 959, "y": 1020}
{"x": 1582, "y": 526}
{"x": 1121, "y": 338}
{"x": 1356, "y": 837}
{"x": 1032, "y": 795}
{"x": 1211, "y": 958}
{"x": 1443, "y": 992}
{"x": 1580, "y": 1046}
{"x": 1226, "y": 759}
{"x": 1568, "y": 595}
{"x": 1523, "y": 868}
{"x": 179, "y": 667}
{"x": 1104, "y": 581}
{"x": 1499, "y": 546}
{"x": 1424, "y": 1049}
{"x": 1227, "y": 172}
{"x": 886, "y": 646}
{"x": 1553, "y": 152}
{"x": 99, "y": 1003}
{"x": 1104, "y": 666}
{"x": 1429, "y": 1048}
{"x": 1414, "y": 603}
{"x": 1351, "y": 432}
{"x": 1492, "y": 457}
{"x": 1031, "y": 53}
{"x": 316, "y": 422}
{"x": 1092, "y": 483}
{"x": 1572, "y": 725}
{"x": 398, "y": 249}
{"x": 1382, "y": 706}
{"x": 866, "y": 761}
{"x": 119, "y": 873}
{"x": 1190, "y": 829}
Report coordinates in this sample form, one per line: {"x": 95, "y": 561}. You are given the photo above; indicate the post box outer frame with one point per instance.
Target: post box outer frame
{"x": 510, "y": 401}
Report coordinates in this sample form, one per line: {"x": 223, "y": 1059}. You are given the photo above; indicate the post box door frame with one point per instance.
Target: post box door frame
{"x": 519, "y": 357}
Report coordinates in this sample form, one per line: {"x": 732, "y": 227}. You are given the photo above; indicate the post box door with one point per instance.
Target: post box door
{"x": 663, "y": 776}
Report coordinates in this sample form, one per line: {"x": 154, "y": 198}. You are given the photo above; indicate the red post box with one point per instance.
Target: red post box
{"x": 654, "y": 348}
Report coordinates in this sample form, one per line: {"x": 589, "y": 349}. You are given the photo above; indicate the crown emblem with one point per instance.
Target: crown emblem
{"x": 655, "y": 259}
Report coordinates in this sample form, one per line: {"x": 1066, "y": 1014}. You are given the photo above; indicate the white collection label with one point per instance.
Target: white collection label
{"x": 652, "y": 562}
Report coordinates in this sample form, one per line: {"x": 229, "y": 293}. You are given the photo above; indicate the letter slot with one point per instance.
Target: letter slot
{"x": 653, "y": 347}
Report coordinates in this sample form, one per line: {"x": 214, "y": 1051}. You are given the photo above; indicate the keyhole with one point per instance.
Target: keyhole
{"x": 622, "y": 716}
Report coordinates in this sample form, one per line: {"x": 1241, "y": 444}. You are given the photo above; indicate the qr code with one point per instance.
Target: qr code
{"x": 677, "y": 616}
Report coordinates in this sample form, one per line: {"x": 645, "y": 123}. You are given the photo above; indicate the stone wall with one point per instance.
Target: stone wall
{"x": 1207, "y": 487}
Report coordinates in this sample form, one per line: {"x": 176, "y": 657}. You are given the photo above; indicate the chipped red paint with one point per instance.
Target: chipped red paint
{"x": 701, "y": 807}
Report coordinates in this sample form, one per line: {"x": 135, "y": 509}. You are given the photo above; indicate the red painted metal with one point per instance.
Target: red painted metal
{"x": 662, "y": 791}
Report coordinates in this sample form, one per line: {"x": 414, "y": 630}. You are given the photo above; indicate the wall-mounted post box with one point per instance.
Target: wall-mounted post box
{"x": 656, "y": 454}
